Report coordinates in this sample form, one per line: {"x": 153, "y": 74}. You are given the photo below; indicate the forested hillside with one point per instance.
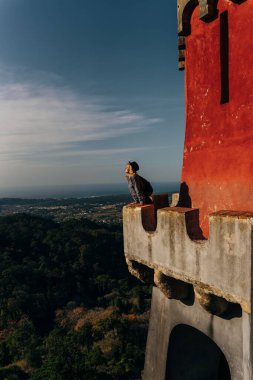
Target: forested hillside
{"x": 69, "y": 309}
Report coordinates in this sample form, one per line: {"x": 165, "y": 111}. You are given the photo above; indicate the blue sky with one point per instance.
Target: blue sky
{"x": 87, "y": 85}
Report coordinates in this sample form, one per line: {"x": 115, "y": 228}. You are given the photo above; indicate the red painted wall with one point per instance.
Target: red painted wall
{"x": 218, "y": 150}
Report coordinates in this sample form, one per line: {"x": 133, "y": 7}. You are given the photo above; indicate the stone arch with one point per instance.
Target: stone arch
{"x": 207, "y": 12}
{"x": 193, "y": 355}
{"x": 185, "y": 9}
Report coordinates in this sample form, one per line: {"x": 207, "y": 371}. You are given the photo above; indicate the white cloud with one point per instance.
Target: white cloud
{"x": 43, "y": 121}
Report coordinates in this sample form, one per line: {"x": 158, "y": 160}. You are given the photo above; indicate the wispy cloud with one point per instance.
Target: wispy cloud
{"x": 45, "y": 121}
{"x": 106, "y": 152}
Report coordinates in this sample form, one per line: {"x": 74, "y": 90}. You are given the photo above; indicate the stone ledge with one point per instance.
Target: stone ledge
{"x": 231, "y": 213}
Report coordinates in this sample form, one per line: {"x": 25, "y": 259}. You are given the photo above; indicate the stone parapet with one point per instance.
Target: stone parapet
{"x": 175, "y": 249}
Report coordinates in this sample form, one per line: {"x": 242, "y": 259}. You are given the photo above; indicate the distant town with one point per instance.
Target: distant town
{"x": 100, "y": 209}
{"x": 103, "y": 209}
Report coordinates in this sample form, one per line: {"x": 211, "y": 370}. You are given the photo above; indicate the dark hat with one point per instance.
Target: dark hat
{"x": 134, "y": 165}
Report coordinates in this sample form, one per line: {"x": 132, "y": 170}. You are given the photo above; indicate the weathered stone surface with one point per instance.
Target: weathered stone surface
{"x": 181, "y": 42}
{"x": 181, "y": 55}
{"x": 174, "y": 199}
{"x": 142, "y": 272}
{"x": 181, "y": 51}
{"x": 181, "y": 65}
{"x": 149, "y": 212}
{"x": 232, "y": 334}
{"x": 211, "y": 303}
{"x": 221, "y": 265}
{"x": 171, "y": 287}
{"x": 207, "y": 10}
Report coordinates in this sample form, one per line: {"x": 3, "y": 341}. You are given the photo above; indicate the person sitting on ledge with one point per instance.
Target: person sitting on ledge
{"x": 140, "y": 189}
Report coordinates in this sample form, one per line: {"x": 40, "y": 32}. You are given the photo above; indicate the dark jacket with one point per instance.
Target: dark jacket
{"x": 137, "y": 190}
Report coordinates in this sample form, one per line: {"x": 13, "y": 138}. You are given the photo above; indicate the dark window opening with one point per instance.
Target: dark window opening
{"x": 193, "y": 355}
{"x": 224, "y": 57}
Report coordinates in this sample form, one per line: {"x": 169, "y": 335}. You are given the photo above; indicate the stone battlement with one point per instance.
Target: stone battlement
{"x": 170, "y": 251}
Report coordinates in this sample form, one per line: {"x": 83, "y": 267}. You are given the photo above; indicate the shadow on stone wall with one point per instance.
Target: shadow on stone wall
{"x": 184, "y": 196}
{"x": 193, "y": 229}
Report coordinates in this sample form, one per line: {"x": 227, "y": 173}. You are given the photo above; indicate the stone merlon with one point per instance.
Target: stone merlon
{"x": 174, "y": 249}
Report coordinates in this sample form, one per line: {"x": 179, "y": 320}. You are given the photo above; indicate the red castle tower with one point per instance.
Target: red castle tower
{"x": 201, "y": 319}
{"x": 217, "y": 169}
